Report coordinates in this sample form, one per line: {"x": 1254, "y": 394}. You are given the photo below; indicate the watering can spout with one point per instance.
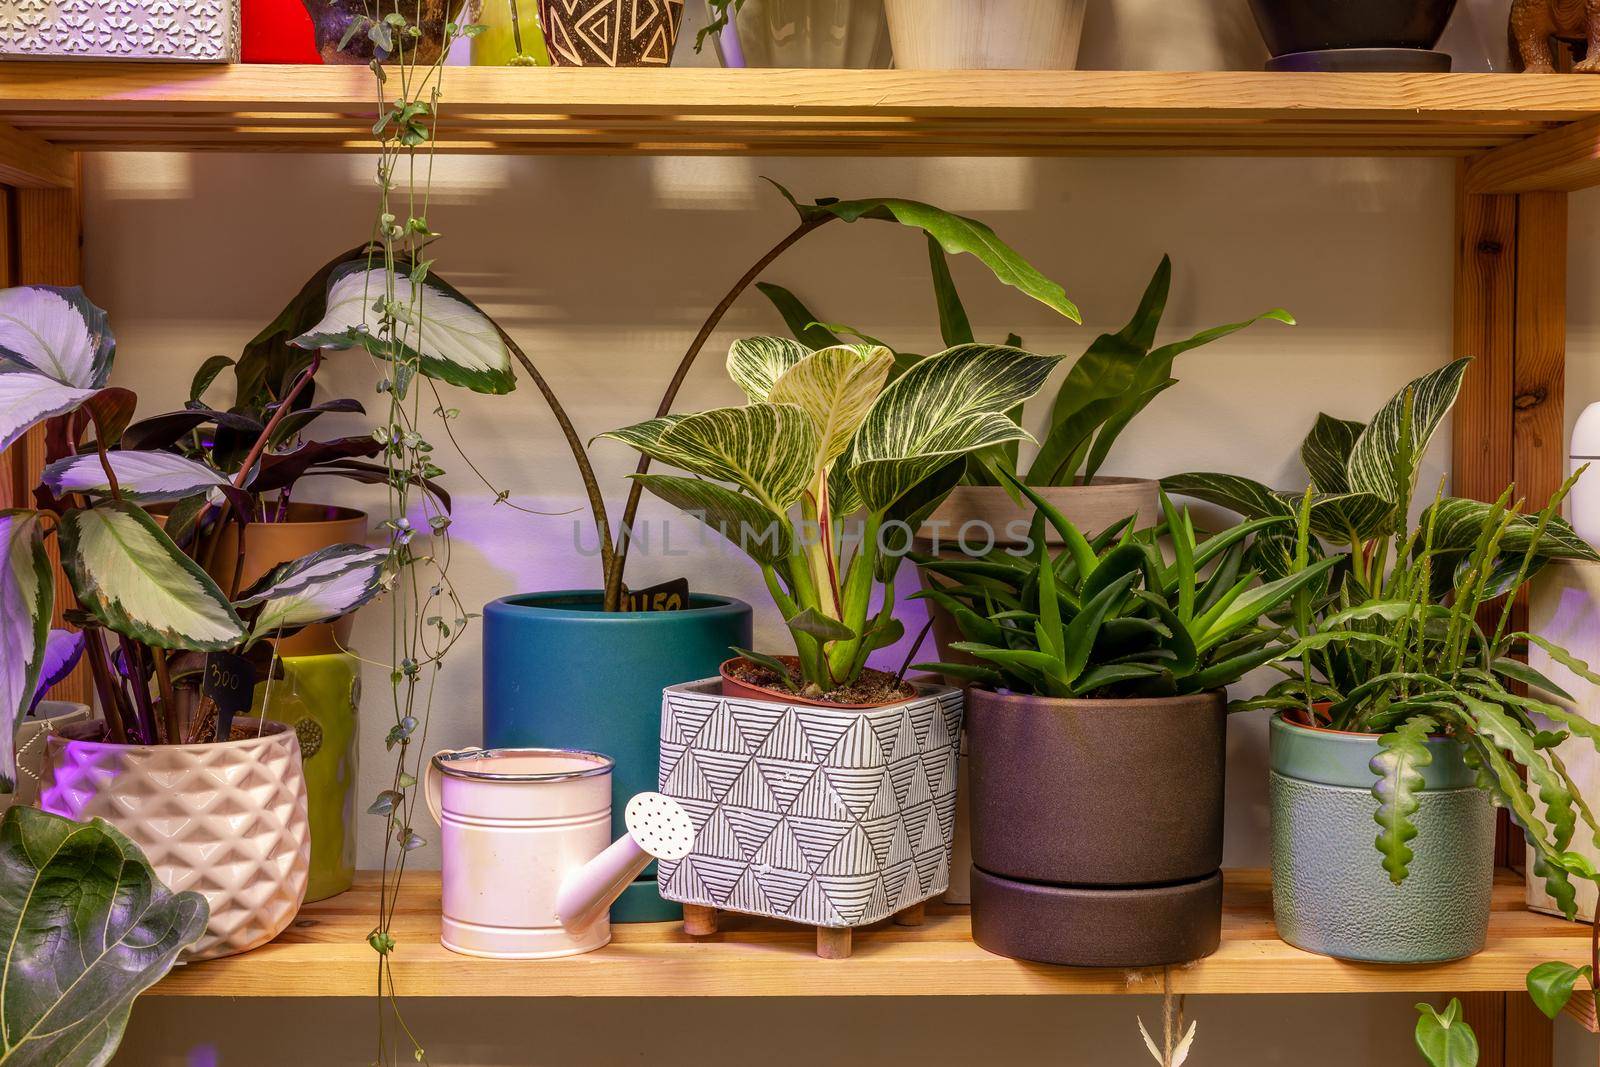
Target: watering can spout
{"x": 658, "y": 828}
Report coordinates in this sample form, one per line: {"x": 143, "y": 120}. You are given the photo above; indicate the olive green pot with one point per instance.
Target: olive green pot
{"x": 1330, "y": 892}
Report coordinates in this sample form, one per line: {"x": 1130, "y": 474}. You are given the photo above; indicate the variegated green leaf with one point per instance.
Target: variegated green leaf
{"x": 128, "y": 574}
{"x": 948, "y": 405}
{"x": 27, "y": 591}
{"x": 1371, "y": 466}
{"x": 647, "y": 437}
{"x": 768, "y": 450}
{"x": 319, "y": 587}
{"x": 27, "y": 399}
{"x": 1243, "y": 495}
{"x": 756, "y": 363}
{"x": 758, "y": 532}
{"x": 1341, "y": 517}
{"x": 143, "y": 477}
{"x": 451, "y": 337}
{"x": 1326, "y": 450}
{"x": 57, "y": 333}
{"x": 1402, "y": 755}
{"x": 1458, "y": 523}
{"x": 836, "y": 387}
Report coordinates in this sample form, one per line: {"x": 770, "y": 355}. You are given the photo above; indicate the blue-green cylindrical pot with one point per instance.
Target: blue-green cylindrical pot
{"x": 1330, "y": 893}
{"x": 558, "y": 672}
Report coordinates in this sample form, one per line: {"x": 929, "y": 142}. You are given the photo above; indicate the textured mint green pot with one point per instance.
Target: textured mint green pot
{"x": 1330, "y": 893}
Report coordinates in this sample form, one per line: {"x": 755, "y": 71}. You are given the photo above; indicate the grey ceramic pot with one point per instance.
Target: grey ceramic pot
{"x": 1330, "y": 893}
{"x": 1083, "y": 852}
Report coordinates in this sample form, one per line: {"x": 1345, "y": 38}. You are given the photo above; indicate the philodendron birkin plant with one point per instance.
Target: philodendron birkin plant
{"x": 827, "y": 435}
{"x": 144, "y": 606}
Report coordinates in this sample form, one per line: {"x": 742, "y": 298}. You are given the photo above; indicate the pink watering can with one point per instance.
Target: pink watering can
{"x": 530, "y": 870}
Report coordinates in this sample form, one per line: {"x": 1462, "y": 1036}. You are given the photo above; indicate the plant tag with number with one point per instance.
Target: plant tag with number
{"x": 668, "y": 596}
{"x": 226, "y": 689}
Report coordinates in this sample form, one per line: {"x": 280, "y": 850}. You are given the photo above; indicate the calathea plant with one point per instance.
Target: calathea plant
{"x": 825, "y": 436}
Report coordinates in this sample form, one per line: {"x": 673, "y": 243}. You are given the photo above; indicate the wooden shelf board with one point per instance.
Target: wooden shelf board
{"x": 102, "y": 106}
{"x": 324, "y": 954}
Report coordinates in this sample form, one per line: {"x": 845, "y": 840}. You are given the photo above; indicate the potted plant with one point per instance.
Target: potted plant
{"x": 611, "y": 33}
{"x": 986, "y": 34}
{"x": 1099, "y": 679}
{"x": 1354, "y": 35}
{"x": 849, "y": 34}
{"x": 861, "y": 755}
{"x": 218, "y": 802}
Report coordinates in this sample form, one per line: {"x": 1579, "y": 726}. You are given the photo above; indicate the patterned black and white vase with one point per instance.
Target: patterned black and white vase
{"x": 611, "y": 33}
{"x": 833, "y": 818}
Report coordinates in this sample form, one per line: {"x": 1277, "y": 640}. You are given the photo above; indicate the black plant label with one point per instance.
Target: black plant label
{"x": 226, "y": 689}
{"x": 668, "y": 596}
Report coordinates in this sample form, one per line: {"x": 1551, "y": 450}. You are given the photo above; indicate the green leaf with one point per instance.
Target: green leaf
{"x": 757, "y": 531}
{"x": 1459, "y": 523}
{"x": 1518, "y": 671}
{"x": 954, "y": 327}
{"x": 87, "y": 927}
{"x": 1085, "y": 627}
{"x": 1326, "y": 451}
{"x": 806, "y": 327}
{"x": 786, "y": 678}
{"x": 1243, "y": 495}
{"x": 836, "y": 387}
{"x": 1402, "y": 755}
{"x": 822, "y": 627}
{"x": 450, "y": 336}
{"x": 946, "y": 406}
{"x": 27, "y": 399}
{"x": 27, "y": 591}
{"x": 142, "y": 477}
{"x": 971, "y": 672}
{"x": 756, "y": 363}
{"x": 55, "y": 331}
{"x": 1445, "y": 1040}
{"x": 129, "y": 575}
{"x": 1551, "y": 985}
{"x": 213, "y": 366}
{"x": 1371, "y": 468}
{"x": 321, "y": 586}
{"x": 768, "y": 450}
{"x": 1262, "y": 600}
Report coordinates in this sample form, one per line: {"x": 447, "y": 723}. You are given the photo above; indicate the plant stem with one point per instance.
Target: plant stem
{"x": 619, "y": 558}
{"x": 260, "y": 446}
{"x": 144, "y": 714}
{"x": 110, "y": 698}
{"x": 169, "y": 700}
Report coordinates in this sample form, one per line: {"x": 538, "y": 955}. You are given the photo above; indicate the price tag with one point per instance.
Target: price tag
{"x": 227, "y": 688}
{"x": 668, "y": 596}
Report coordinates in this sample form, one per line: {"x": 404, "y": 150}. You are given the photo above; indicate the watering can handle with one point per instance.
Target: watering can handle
{"x": 431, "y": 781}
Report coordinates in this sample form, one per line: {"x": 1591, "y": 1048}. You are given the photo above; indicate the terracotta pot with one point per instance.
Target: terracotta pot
{"x": 734, "y": 687}
{"x": 611, "y": 33}
{"x": 986, "y": 34}
{"x": 227, "y": 820}
{"x": 1075, "y": 822}
{"x": 268, "y": 544}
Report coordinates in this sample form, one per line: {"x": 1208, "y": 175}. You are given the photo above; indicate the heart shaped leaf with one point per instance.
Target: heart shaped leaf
{"x": 27, "y": 591}
{"x": 143, "y": 477}
{"x": 56, "y": 332}
{"x": 836, "y": 387}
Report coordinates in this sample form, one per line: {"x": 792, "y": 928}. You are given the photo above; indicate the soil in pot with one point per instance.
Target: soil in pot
{"x": 874, "y": 689}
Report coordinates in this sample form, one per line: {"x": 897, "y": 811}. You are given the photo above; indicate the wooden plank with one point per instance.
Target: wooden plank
{"x": 29, "y": 160}
{"x": 1485, "y": 329}
{"x": 1530, "y": 1037}
{"x": 1565, "y": 159}
{"x": 1538, "y": 431}
{"x": 325, "y": 954}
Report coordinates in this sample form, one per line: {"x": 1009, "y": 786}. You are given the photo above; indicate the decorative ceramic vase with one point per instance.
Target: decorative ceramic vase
{"x": 1330, "y": 893}
{"x": 985, "y": 34}
{"x": 611, "y": 33}
{"x": 227, "y": 820}
{"x": 196, "y": 31}
{"x": 331, "y": 19}
{"x": 1354, "y": 35}
{"x": 51, "y": 716}
{"x": 560, "y": 673}
{"x": 1083, "y": 851}
{"x": 831, "y": 817}
{"x": 511, "y": 36}
{"x": 842, "y": 34}
{"x": 318, "y": 697}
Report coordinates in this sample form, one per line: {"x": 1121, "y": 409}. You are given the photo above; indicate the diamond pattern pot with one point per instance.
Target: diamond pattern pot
{"x": 611, "y": 33}
{"x": 834, "y": 818}
{"x": 227, "y": 820}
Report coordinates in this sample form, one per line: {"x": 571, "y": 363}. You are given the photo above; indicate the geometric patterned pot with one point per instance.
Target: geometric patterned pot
{"x": 835, "y": 818}
{"x": 205, "y": 31}
{"x": 611, "y": 33}
{"x": 227, "y": 820}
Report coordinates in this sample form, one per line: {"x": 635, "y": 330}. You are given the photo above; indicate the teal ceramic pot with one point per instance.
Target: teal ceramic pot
{"x": 1330, "y": 893}
{"x": 560, "y": 673}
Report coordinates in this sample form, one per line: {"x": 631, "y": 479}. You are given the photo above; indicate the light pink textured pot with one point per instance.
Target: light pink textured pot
{"x": 226, "y": 820}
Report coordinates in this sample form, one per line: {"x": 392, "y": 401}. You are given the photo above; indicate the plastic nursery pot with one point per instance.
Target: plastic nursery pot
{"x": 733, "y": 686}
{"x": 1330, "y": 893}
{"x": 835, "y": 34}
{"x": 1083, "y": 852}
{"x": 986, "y": 34}
{"x": 1354, "y": 35}
{"x": 558, "y": 672}
{"x": 227, "y": 820}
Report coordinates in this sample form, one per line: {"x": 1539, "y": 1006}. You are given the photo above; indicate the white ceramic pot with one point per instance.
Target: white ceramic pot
{"x": 227, "y": 820}
{"x": 985, "y": 34}
{"x": 840, "y": 34}
{"x": 48, "y": 718}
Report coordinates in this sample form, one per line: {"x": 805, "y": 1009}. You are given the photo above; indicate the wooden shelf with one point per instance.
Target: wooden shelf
{"x": 325, "y": 955}
{"x": 104, "y": 106}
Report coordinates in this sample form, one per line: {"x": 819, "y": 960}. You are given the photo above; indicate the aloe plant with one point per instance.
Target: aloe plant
{"x": 826, "y": 435}
{"x": 1110, "y": 617}
{"x": 1114, "y": 380}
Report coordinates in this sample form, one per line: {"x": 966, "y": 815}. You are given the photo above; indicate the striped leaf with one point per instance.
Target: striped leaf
{"x": 768, "y": 450}
{"x": 129, "y": 575}
{"x": 319, "y": 587}
{"x": 946, "y": 406}
{"x": 1371, "y": 468}
{"x": 27, "y": 399}
{"x": 836, "y": 387}
{"x": 27, "y": 591}
{"x": 1243, "y": 495}
{"x": 452, "y": 339}
{"x": 756, "y": 363}
{"x": 143, "y": 477}
{"x": 760, "y": 533}
{"x": 1326, "y": 450}
{"x": 648, "y": 436}
{"x": 1458, "y": 523}
{"x": 56, "y": 332}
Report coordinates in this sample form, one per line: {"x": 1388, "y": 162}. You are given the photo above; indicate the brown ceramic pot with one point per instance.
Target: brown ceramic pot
{"x": 1085, "y": 810}
{"x": 611, "y": 33}
{"x": 268, "y": 544}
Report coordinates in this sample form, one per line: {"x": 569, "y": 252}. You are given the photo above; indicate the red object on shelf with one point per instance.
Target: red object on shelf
{"x": 276, "y": 31}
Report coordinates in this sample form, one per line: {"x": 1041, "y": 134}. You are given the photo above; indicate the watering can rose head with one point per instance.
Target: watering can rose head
{"x": 827, "y": 435}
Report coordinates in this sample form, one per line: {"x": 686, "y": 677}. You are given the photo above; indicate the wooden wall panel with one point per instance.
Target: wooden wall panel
{"x": 1538, "y": 435}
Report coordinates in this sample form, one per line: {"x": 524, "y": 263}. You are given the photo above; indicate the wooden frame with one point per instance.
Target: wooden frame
{"x": 1523, "y": 142}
